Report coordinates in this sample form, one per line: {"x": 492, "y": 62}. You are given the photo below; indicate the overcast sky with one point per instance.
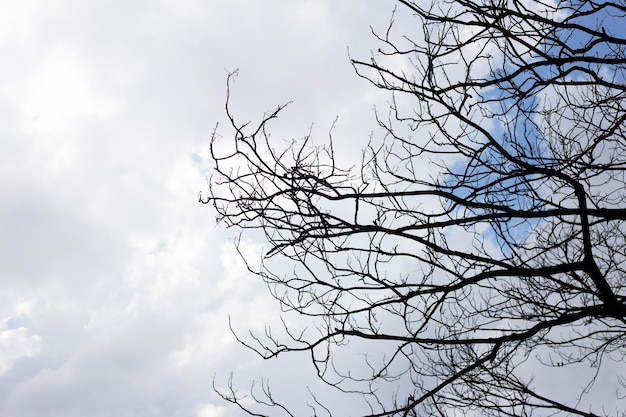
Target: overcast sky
{"x": 115, "y": 284}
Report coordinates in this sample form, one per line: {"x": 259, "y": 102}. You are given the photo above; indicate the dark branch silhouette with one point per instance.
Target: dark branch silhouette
{"x": 483, "y": 238}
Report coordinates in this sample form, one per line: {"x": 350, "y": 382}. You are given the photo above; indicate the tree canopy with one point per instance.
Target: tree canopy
{"x": 481, "y": 243}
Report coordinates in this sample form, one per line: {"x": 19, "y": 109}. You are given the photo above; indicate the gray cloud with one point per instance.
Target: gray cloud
{"x": 115, "y": 285}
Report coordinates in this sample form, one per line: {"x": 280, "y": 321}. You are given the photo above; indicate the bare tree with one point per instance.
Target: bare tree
{"x": 482, "y": 243}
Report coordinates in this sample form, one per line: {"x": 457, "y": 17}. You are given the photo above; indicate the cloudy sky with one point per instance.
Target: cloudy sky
{"x": 115, "y": 284}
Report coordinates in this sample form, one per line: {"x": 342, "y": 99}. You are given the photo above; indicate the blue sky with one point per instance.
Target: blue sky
{"x": 115, "y": 284}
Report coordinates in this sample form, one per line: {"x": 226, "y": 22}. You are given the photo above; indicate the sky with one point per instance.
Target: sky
{"x": 116, "y": 285}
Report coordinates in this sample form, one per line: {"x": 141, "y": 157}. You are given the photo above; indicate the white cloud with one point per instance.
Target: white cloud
{"x": 16, "y": 344}
{"x": 61, "y": 92}
{"x": 210, "y": 410}
{"x": 117, "y": 281}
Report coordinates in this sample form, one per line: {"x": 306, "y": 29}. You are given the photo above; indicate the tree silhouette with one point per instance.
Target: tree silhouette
{"x": 482, "y": 241}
